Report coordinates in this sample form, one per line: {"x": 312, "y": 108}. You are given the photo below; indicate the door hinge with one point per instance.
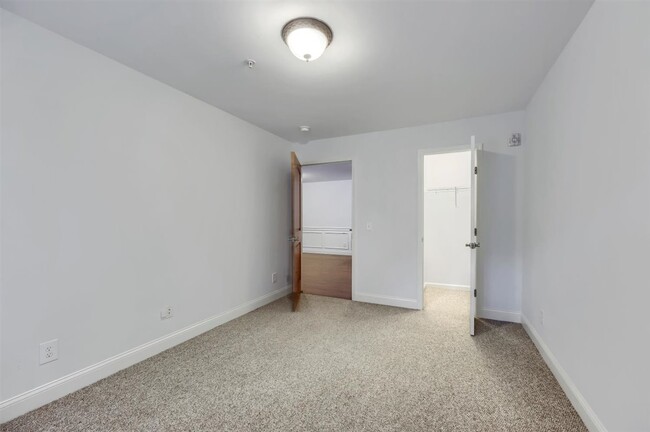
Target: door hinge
{"x": 475, "y": 170}
{"x": 474, "y": 293}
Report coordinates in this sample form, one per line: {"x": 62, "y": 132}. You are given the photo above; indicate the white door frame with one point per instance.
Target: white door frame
{"x": 420, "y": 266}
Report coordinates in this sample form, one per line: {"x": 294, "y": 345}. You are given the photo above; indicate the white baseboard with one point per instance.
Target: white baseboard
{"x": 447, "y": 286}
{"x": 319, "y": 251}
{"x": 386, "y": 300}
{"x": 585, "y": 412}
{"x": 46, "y": 393}
{"x": 498, "y": 315}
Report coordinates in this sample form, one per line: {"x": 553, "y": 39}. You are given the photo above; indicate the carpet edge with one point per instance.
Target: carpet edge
{"x": 49, "y": 392}
{"x": 400, "y": 302}
{"x": 578, "y": 401}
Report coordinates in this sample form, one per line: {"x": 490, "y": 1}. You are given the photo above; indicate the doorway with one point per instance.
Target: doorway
{"x": 327, "y": 229}
{"x": 448, "y": 227}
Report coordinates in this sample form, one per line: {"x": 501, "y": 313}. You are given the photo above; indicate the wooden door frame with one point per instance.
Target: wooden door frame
{"x": 354, "y": 215}
{"x": 421, "y": 154}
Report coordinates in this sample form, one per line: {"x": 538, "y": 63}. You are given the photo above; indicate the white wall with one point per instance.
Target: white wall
{"x": 1, "y": 146}
{"x": 447, "y": 219}
{"x": 327, "y": 217}
{"x": 327, "y": 204}
{"x": 587, "y": 216}
{"x": 385, "y": 183}
{"x": 447, "y": 170}
{"x": 121, "y": 195}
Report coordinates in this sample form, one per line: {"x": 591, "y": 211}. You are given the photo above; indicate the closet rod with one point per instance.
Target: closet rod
{"x": 447, "y": 189}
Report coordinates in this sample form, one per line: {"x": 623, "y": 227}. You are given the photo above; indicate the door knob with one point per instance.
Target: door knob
{"x": 473, "y": 245}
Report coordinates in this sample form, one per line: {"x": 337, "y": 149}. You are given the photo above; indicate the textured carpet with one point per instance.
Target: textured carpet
{"x": 335, "y": 365}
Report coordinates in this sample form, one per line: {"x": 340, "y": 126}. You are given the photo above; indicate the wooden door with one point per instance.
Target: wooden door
{"x": 296, "y": 228}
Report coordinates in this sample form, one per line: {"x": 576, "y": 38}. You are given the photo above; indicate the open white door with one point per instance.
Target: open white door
{"x": 474, "y": 243}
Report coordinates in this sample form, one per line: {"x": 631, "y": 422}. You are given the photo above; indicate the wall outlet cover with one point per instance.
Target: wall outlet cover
{"x": 166, "y": 313}
{"x": 49, "y": 351}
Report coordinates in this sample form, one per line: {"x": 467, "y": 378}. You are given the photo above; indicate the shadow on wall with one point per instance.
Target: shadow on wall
{"x": 497, "y": 212}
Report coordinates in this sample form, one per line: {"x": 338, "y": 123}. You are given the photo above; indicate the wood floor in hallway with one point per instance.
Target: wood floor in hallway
{"x": 327, "y": 275}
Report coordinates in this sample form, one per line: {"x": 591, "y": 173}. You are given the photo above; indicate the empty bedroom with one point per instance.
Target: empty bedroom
{"x": 324, "y": 215}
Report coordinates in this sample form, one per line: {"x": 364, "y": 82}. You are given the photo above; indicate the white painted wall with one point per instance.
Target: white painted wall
{"x": 447, "y": 170}
{"x": 121, "y": 195}
{"x": 327, "y": 217}
{"x": 1, "y": 217}
{"x": 587, "y": 215}
{"x": 327, "y": 204}
{"x": 447, "y": 219}
{"x": 385, "y": 183}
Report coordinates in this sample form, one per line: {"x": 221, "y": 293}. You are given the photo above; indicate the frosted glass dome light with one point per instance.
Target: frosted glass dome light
{"x": 307, "y": 38}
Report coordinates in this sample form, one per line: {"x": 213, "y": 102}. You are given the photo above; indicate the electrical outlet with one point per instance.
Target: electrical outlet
{"x": 49, "y": 351}
{"x": 274, "y": 277}
{"x": 166, "y": 313}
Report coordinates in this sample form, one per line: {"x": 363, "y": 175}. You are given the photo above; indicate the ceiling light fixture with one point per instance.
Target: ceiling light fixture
{"x": 307, "y": 38}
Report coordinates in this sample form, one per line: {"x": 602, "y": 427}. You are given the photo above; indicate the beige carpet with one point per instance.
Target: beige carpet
{"x": 335, "y": 365}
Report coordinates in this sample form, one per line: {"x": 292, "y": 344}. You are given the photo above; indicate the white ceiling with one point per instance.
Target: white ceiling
{"x": 391, "y": 64}
{"x": 333, "y": 171}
